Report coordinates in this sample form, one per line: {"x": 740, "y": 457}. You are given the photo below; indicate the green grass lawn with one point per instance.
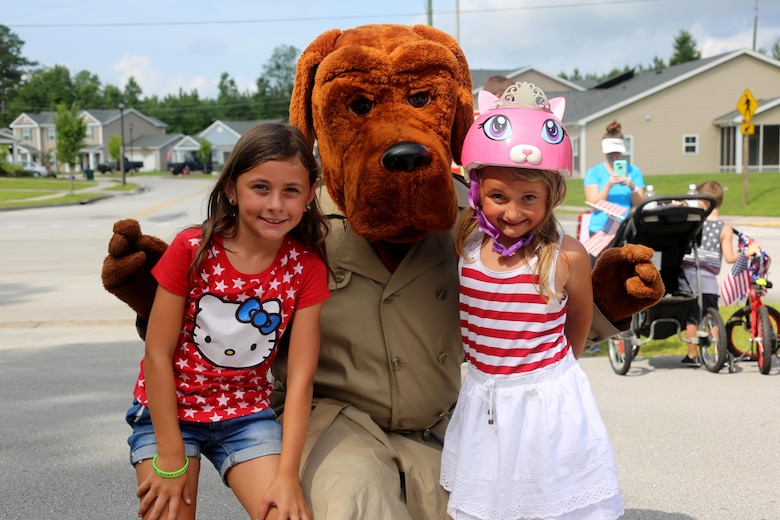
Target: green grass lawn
{"x": 20, "y": 192}
{"x": 763, "y": 191}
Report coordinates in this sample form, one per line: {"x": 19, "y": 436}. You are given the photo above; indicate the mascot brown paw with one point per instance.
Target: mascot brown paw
{"x": 625, "y": 282}
{"x": 127, "y": 270}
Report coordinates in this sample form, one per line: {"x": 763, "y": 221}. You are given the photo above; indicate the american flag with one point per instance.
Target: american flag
{"x": 737, "y": 284}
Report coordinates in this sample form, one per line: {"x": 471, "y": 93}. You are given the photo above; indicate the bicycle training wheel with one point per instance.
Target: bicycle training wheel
{"x": 622, "y": 349}
{"x": 765, "y": 342}
{"x": 714, "y": 346}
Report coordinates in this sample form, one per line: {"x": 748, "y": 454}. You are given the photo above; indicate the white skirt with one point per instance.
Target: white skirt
{"x": 530, "y": 446}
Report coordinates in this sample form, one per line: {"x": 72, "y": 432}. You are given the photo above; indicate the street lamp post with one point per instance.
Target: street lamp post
{"x": 130, "y": 153}
{"x": 122, "y": 145}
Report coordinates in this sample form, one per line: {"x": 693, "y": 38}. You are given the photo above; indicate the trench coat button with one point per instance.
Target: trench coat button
{"x": 427, "y": 434}
{"x": 442, "y": 358}
{"x": 397, "y": 363}
{"x": 441, "y": 294}
{"x": 389, "y": 299}
{"x": 339, "y": 275}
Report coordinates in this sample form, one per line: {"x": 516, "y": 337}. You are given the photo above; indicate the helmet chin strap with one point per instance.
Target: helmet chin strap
{"x": 489, "y": 229}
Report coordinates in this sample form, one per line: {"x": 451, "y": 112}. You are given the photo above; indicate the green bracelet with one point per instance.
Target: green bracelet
{"x": 170, "y": 474}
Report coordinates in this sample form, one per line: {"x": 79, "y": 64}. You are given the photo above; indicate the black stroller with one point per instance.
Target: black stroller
{"x": 672, "y": 227}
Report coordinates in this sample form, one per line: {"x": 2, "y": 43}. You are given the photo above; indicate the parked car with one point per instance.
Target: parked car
{"x": 113, "y": 166}
{"x": 35, "y": 169}
{"x": 189, "y": 166}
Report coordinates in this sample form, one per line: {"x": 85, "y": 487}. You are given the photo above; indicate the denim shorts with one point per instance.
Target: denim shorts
{"x": 224, "y": 443}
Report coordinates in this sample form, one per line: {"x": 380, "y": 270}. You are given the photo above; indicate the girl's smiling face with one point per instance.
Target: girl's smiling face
{"x": 515, "y": 207}
{"x": 271, "y": 198}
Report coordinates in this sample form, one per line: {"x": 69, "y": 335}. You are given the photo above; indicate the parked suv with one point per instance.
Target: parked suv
{"x": 36, "y": 169}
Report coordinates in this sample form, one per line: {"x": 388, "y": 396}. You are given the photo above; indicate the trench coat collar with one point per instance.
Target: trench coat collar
{"x": 347, "y": 250}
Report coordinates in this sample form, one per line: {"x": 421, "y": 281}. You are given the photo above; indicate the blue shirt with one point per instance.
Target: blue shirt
{"x": 619, "y": 194}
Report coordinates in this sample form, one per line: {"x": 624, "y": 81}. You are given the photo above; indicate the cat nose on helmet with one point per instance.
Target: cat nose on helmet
{"x": 406, "y": 157}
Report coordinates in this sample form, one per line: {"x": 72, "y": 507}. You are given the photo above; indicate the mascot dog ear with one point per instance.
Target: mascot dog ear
{"x": 320, "y": 48}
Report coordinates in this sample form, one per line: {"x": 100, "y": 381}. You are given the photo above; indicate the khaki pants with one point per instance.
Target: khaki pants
{"x": 354, "y": 470}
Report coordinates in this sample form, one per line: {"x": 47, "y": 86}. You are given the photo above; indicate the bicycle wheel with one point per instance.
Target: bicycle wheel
{"x": 622, "y": 349}
{"x": 765, "y": 342}
{"x": 738, "y": 332}
{"x": 713, "y": 346}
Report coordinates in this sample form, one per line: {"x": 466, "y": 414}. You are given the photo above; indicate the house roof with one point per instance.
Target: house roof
{"x": 480, "y": 76}
{"x": 40, "y": 119}
{"x": 102, "y": 116}
{"x": 583, "y": 107}
{"x": 109, "y": 115}
{"x": 155, "y": 141}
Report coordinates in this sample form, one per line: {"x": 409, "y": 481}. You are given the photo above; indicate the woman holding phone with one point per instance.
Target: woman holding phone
{"x": 613, "y": 180}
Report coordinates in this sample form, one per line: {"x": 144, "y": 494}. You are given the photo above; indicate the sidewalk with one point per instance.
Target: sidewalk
{"x": 101, "y": 186}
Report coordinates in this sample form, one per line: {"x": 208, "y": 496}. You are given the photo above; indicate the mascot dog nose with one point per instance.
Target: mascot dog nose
{"x": 406, "y": 157}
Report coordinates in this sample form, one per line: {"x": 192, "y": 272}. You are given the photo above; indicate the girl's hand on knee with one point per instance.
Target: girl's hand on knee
{"x": 156, "y": 492}
{"x": 286, "y": 496}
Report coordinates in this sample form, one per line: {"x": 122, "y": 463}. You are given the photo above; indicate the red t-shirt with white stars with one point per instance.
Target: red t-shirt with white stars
{"x": 232, "y": 323}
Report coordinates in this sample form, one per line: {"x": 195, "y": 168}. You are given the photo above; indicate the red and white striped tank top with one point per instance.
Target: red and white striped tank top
{"x": 506, "y": 326}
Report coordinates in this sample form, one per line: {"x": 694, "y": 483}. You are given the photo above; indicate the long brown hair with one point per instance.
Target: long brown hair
{"x": 546, "y": 236}
{"x": 262, "y": 143}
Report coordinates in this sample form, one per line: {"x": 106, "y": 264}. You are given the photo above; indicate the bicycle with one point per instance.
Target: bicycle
{"x": 752, "y": 330}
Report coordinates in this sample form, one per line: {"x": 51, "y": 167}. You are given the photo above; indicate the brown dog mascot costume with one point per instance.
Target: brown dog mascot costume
{"x": 389, "y": 106}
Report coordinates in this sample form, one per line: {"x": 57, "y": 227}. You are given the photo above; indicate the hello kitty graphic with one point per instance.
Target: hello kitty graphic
{"x": 236, "y": 334}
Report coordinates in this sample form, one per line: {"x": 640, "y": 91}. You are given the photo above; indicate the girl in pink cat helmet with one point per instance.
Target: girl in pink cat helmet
{"x": 521, "y": 129}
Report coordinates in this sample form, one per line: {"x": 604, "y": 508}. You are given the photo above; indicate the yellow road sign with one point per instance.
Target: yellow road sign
{"x": 747, "y": 105}
{"x": 748, "y": 129}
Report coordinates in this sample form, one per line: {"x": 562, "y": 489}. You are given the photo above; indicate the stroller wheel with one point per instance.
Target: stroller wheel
{"x": 713, "y": 345}
{"x": 622, "y": 349}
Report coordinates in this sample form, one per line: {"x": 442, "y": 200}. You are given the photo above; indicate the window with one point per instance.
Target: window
{"x": 690, "y": 144}
{"x": 88, "y": 135}
{"x": 52, "y": 134}
{"x": 26, "y": 134}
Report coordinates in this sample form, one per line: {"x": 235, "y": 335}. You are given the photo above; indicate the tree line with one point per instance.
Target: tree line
{"x": 27, "y": 87}
{"x": 684, "y": 49}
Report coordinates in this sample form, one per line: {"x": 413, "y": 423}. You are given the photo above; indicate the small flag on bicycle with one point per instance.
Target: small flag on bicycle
{"x": 740, "y": 265}
{"x": 735, "y": 287}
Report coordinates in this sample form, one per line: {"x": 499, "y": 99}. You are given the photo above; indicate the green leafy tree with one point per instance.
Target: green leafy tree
{"x": 232, "y": 104}
{"x": 44, "y": 90}
{"x": 275, "y": 89}
{"x": 684, "y": 49}
{"x": 204, "y": 152}
{"x": 71, "y": 130}
{"x": 776, "y": 50}
{"x": 114, "y": 147}
{"x": 132, "y": 93}
{"x": 13, "y": 67}
{"x": 86, "y": 88}
{"x": 112, "y": 96}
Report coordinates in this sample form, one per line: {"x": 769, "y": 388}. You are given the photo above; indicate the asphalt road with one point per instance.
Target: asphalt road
{"x": 689, "y": 444}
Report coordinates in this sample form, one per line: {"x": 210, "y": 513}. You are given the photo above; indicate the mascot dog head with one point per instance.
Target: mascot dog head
{"x": 389, "y": 107}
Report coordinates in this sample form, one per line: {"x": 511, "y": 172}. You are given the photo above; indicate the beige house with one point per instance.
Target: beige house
{"x": 36, "y": 136}
{"x": 682, "y": 119}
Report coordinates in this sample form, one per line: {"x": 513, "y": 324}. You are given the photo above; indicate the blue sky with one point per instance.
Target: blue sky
{"x": 172, "y": 44}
